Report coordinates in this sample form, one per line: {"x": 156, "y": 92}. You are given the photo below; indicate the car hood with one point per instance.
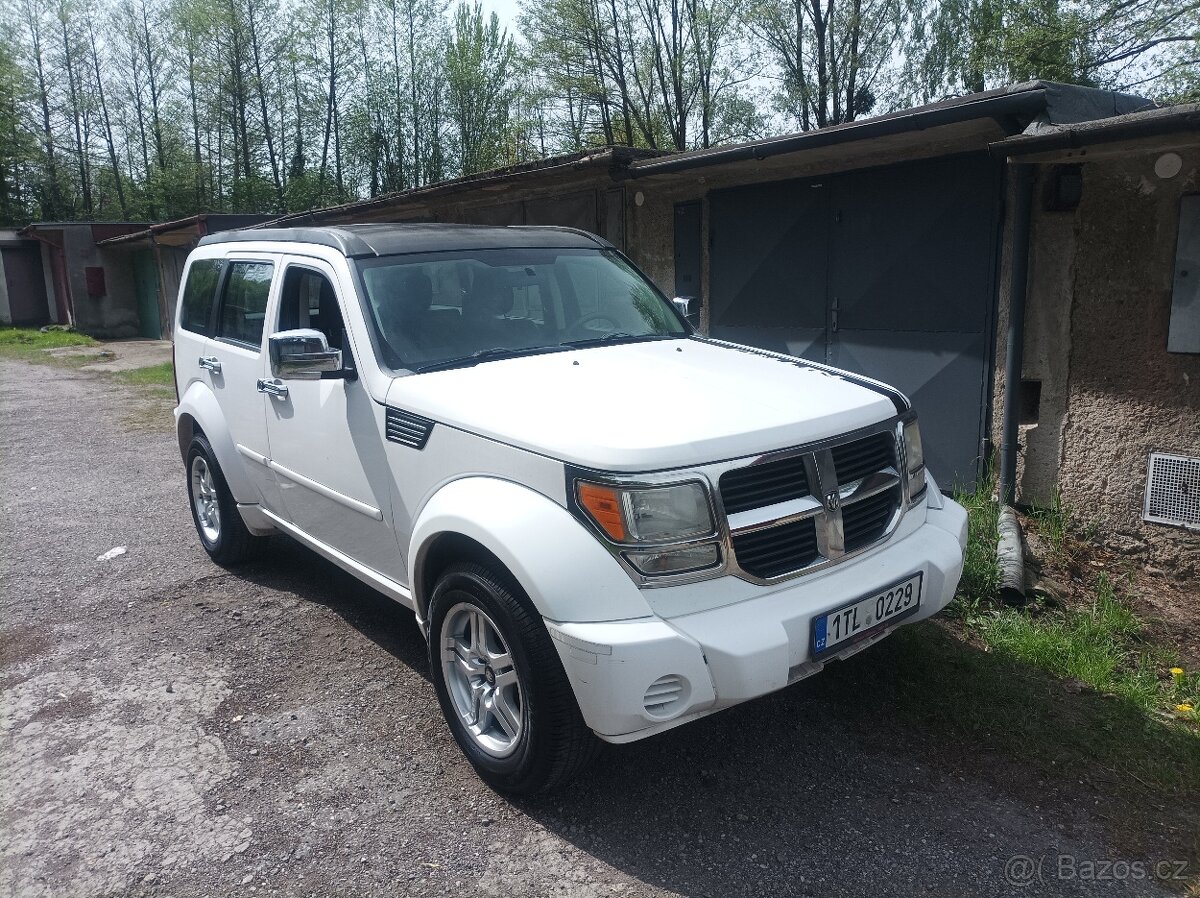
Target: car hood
{"x": 643, "y": 406}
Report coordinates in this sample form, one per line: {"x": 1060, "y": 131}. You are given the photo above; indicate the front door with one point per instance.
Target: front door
{"x": 145, "y": 277}
{"x": 326, "y": 436}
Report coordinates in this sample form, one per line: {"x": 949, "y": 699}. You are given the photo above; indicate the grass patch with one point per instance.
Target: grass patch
{"x": 997, "y": 699}
{"x": 162, "y": 375}
{"x": 27, "y": 340}
{"x": 1054, "y": 686}
{"x": 980, "y": 583}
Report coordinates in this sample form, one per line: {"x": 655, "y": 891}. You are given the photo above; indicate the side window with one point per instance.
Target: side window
{"x": 244, "y": 306}
{"x": 195, "y": 315}
{"x": 309, "y": 300}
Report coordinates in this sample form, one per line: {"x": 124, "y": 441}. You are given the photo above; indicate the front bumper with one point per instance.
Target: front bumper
{"x": 638, "y": 677}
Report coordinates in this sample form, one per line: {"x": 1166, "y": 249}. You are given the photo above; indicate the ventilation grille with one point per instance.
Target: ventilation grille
{"x": 854, "y": 461}
{"x": 664, "y": 695}
{"x": 777, "y": 550}
{"x": 1173, "y": 490}
{"x": 408, "y": 429}
{"x": 866, "y": 521}
{"x": 765, "y": 484}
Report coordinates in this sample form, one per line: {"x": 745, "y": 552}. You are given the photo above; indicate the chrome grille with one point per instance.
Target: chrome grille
{"x": 764, "y": 484}
{"x": 865, "y": 522}
{"x": 777, "y": 550}
{"x": 856, "y": 459}
{"x": 805, "y": 508}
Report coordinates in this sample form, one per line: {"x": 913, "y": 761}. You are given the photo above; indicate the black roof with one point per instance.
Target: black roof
{"x": 392, "y": 239}
{"x": 1049, "y": 102}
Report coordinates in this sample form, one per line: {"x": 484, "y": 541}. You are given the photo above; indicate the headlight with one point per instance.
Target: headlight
{"x": 648, "y": 515}
{"x": 914, "y": 461}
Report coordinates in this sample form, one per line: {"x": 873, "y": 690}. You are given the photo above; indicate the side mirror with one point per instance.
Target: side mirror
{"x": 302, "y": 354}
{"x": 683, "y": 305}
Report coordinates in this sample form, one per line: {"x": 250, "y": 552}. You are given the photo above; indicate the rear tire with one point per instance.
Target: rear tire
{"x": 219, "y": 524}
{"x": 501, "y": 684}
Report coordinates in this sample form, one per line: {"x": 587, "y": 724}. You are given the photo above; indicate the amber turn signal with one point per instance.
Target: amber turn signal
{"x": 604, "y": 505}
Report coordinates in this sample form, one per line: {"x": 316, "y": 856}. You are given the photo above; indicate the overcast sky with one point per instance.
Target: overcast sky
{"x": 507, "y": 10}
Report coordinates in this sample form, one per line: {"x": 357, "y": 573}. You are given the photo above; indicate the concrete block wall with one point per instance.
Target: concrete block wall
{"x": 115, "y": 314}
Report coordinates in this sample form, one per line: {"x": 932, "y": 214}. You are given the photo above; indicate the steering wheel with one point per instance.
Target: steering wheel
{"x": 578, "y": 326}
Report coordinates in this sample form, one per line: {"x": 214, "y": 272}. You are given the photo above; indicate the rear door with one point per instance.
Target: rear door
{"x": 238, "y": 350}
{"x": 196, "y": 319}
{"x": 326, "y": 436}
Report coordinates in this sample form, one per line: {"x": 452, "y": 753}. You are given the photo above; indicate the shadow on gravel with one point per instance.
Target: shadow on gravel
{"x": 290, "y": 567}
{"x": 917, "y": 767}
{"x": 867, "y": 779}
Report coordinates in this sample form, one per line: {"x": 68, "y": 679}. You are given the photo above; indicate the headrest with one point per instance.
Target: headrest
{"x": 487, "y": 297}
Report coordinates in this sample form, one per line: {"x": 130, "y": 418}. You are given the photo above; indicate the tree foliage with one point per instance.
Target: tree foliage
{"x": 157, "y": 109}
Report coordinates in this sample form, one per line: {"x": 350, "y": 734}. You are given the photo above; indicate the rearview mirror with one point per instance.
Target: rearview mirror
{"x": 302, "y": 354}
{"x": 683, "y": 305}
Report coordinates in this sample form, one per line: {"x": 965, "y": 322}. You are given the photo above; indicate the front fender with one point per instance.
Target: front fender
{"x": 563, "y": 568}
{"x": 199, "y": 403}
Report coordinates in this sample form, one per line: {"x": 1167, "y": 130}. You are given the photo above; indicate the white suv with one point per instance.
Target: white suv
{"x": 606, "y": 525}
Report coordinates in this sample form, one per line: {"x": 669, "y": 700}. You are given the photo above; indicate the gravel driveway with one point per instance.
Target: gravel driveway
{"x": 171, "y": 728}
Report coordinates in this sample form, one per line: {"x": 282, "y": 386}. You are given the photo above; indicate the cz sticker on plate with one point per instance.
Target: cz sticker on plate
{"x": 862, "y": 617}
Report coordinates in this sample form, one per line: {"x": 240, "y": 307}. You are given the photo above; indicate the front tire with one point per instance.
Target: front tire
{"x": 219, "y": 525}
{"x": 501, "y": 684}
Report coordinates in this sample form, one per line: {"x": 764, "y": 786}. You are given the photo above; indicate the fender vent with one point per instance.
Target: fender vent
{"x": 664, "y": 695}
{"x": 1173, "y": 490}
{"x": 408, "y": 429}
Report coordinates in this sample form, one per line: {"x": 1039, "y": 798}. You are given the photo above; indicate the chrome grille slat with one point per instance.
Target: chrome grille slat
{"x": 746, "y": 488}
{"x": 779, "y": 521}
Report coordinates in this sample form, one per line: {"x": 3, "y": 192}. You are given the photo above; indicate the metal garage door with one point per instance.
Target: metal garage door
{"x": 888, "y": 272}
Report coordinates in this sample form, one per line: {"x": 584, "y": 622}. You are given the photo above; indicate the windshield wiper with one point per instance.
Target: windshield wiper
{"x": 484, "y": 355}
{"x": 618, "y": 337}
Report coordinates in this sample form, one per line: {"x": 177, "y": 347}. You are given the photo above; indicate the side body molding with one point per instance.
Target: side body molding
{"x": 565, "y": 570}
{"x": 200, "y": 402}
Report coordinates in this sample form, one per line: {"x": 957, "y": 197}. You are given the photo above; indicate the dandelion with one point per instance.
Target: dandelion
{"x": 1185, "y": 708}
{"x": 1177, "y": 673}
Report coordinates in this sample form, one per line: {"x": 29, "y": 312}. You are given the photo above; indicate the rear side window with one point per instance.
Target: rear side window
{"x": 198, "y": 296}
{"x": 244, "y": 308}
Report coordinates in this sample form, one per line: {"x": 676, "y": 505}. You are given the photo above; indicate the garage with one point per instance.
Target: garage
{"x": 888, "y": 272}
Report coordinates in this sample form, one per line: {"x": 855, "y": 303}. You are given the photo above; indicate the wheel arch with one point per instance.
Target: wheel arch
{"x": 200, "y": 413}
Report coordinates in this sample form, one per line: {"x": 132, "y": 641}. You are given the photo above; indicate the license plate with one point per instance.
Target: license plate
{"x": 861, "y": 618}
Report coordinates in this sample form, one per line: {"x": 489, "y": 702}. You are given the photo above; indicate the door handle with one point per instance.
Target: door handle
{"x": 211, "y": 362}
{"x": 273, "y": 388}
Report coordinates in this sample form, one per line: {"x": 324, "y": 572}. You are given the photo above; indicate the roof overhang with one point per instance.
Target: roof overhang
{"x": 1154, "y": 130}
{"x": 959, "y": 124}
{"x": 182, "y": 232}
{"x": 494, "y": 181}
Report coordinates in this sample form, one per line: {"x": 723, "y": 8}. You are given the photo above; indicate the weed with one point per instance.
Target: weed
{"x": 22, "y": 340}
{"x": 1055, "y": 522}
{"x": 980, "y": 583}
{"x": 162, "y": 375}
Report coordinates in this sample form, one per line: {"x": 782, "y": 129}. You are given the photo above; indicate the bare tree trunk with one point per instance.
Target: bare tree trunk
{"x": 416, "y": 109}
{"x": 331, "y": 100}
{"x": 262, "y": 100}
{"x": 51, "y": 202}
{"x": 76, "y": 110}
{"x": 196, "y": 159}
{"x": 152, "y": 76}
{"x": 108, "y": 135}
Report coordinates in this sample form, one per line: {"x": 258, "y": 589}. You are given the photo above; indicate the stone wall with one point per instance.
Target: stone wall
{"x": 1097, "y": 314}
{"x": 1128, "y": 396}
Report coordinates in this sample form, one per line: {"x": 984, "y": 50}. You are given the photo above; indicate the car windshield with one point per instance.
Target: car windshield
{"x": 437, "y": 310}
